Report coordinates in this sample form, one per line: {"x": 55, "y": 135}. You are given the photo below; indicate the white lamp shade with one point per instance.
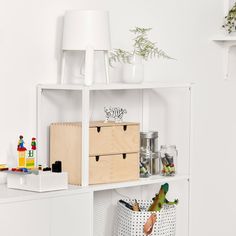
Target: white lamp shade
{"x": 83, "y": 29}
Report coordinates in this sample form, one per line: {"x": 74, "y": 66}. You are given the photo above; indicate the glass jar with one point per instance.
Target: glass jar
{"x": 168, "y": 160}
{"x": 155, "y": 163}
{"x": 149, "y": 141}
{"x": 145, "y": 164}
{"x": 149, "y": 161}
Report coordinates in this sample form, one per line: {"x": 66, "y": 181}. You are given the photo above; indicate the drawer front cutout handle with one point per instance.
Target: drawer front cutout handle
{"x": 98, "y": 129}
{"x": 124, "y": 156}
{"x": 97, "y": 158}
{"x": 124, "y": 127}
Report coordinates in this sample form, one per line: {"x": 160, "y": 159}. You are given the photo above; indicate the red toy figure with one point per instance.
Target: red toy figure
{"x": 33, "y": 144}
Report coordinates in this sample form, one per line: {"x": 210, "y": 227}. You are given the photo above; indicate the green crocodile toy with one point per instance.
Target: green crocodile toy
{"x": 160, "y": 199}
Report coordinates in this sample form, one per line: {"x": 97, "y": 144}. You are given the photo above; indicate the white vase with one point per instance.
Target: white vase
{"x": 133, "y": 72}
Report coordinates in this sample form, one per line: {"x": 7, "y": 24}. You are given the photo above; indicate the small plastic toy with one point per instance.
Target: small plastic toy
{"x": 158, "y": 201}
{"x": 116, "y": 113}
{"x": 47, "y": 169}
{"x": 57, "y": 167}
{"x": 3, "y": 167}
{"x": 26, "y": 158}
{"x": 33, "y": 144}
{"x": 21, "y": 142}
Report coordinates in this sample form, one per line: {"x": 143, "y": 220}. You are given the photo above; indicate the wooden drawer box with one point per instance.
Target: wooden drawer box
{"x": 113, "y": 138}
{"x": 113, "y": 168}
{"x": 104, "y": 139}
{"x": 65, "y": 146}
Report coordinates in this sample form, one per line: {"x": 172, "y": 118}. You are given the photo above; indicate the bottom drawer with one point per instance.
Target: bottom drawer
{"x": 113, "y": 168}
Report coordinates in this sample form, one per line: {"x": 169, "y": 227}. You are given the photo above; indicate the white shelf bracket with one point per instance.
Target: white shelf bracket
{"x": 228, "y": 47}
{"x": 228, "y": 42}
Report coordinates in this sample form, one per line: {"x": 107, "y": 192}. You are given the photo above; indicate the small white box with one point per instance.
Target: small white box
{"x": 43, "y": 182}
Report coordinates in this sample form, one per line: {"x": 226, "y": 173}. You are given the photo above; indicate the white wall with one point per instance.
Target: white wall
{"x": 29, "y": 46}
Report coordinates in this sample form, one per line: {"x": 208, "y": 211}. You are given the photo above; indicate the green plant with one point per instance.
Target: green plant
{"x": 230, "y": 20}
{"x": 142, "y": 46}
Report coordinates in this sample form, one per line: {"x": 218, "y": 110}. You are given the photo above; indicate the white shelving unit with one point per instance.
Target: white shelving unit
{"x": 165, "y": 107}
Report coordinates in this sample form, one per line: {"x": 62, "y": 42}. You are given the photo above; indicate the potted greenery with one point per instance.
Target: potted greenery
{"x": 230, "y": 20}
{"x": 143, "y": 49}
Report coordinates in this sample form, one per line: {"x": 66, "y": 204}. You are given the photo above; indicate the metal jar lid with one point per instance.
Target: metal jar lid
{"x": 149, "y": 135}
{"x": 168, "y": 146}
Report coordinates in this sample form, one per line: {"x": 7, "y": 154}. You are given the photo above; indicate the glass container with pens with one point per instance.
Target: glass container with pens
{"x": 149, "y": 158}
{"x": 168, "y": 160}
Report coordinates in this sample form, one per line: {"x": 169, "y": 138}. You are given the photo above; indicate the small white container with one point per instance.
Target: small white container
{"x": 133, "y": 72}
{"x": 43, "y": 182}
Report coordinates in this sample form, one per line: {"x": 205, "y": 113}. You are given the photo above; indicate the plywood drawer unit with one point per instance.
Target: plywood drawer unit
{"x": 113, "y": 138}
{"x": 113, "y": 168}
{"x": 107, "y": 141}
{"x": 66, "y": 146}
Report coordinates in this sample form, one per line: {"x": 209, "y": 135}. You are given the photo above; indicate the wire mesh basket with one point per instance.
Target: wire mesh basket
{"x": 130, "y": 223}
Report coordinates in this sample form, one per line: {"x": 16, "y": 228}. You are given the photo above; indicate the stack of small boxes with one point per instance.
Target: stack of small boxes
{"x": 113, "y": 150}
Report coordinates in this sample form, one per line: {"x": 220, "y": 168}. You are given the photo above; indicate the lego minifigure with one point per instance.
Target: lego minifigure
{"x": 21, "y": 142}
{"x": 33, "y": 144}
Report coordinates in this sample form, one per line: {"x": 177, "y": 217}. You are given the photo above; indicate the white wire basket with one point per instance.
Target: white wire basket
{"x": 130, "y": 223}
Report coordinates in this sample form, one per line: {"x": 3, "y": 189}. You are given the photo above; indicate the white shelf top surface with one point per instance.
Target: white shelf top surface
{"x": 12, "y": 195}
{"x": 113, "y": 86}
{"x": 224, "y": 38}
{"x": 142, "y": 181}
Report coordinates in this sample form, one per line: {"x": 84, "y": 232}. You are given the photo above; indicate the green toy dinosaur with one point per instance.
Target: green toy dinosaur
{"x": 160, "y": 199}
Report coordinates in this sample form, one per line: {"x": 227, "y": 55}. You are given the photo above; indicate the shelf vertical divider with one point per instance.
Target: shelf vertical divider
{"x": 145, "y": 110}
{"x": 38, "y": 122}
{"x": 85, "y": 137}
{"x": 191, "y": 95}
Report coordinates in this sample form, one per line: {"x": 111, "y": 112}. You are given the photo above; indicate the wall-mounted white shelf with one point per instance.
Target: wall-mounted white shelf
{"x": 224, "y": 38}
{"x": 12, "y": 195}
{"x": 113, "y": 86}
{"x": 227, "y": 42}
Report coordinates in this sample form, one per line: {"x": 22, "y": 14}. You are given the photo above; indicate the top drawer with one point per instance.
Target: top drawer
{"x": 113, "y": 138}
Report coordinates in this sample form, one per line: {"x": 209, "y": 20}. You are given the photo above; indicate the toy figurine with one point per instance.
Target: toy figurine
{"x": 21, "y": 142}
{"x": 3, "y": 167}
{"x": 33, "y": 144}
{"x": 116, "y": 113}
{"x": 158, "y": 201}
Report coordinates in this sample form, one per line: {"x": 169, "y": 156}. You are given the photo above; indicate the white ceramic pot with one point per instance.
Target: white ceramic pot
{"x": 133, "y": 72}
